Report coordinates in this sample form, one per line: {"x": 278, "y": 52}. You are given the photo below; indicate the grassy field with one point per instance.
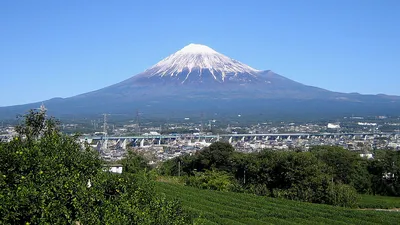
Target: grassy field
{"x": 215, "y": 207}
{"x": 379, "y": 202}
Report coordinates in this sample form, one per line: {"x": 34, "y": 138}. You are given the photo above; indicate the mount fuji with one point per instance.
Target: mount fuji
{"x": 199, "y": 79}
{"x": 199, "y": 71}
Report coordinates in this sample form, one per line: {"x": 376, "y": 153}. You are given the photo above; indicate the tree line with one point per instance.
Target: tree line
{"x": 324, "y": 174}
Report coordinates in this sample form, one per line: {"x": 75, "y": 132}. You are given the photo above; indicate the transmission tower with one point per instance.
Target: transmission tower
{"x": 105, "y": 141}
{"x": 201, "y": 122}
{"x": 42, "y": 108}
{"x": 138, "y": 121}
{"x": 105, "y": 125}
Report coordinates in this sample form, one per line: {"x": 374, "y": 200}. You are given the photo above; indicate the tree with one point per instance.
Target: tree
{"x": 134, "y": 162}
{"x": 216, "y": 156}
{"x": 182, "y": 165}
{"x": 295, "y": 175}
{"x": 385, "y": 172}
{"x": 211, "y": 179}
{"x": 342, "y": 162}
{"x": 48, "y": 178}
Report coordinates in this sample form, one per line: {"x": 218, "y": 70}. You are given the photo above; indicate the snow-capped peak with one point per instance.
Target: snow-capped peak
{"x": 199, "y": 58}
{"x": 197, "y": 49}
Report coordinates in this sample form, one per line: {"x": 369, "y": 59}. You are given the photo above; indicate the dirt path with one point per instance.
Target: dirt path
{"x": 385, "y": 210}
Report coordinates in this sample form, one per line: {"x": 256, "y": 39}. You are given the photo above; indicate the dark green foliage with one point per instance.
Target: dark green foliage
{"x": 339, "y": 160}
{"x": 385, "y": 172}
{"x": 211, "y": 179}
{"x": 342, "y": 195}
{"x": 330, "y": 175}
{"x": 217, "y": 156}
{"x": 49, "y": 178}
{"x": 134, "y": 163}
{"x": 379, "y": 175}
{"x": 361, "y": 179}
{"x": 186, "y": 164}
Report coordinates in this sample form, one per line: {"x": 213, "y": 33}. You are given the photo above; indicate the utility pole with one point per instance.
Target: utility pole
{"x": 42, "y": 108}
{"x": 244, "y": 176}
{"x": 179, "y": 168}
{"x": 105, "y": 142}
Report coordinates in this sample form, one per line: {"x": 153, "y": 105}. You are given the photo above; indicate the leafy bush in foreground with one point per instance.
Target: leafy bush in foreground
{"x": 49, "y": 178}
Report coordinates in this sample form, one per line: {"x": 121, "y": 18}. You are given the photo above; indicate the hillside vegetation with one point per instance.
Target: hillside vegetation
{"x": 218, "y": 207}
{"x": 324, "y": 174}
{"x": 47, "y": 177}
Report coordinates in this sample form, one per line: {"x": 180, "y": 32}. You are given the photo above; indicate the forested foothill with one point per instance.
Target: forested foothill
{"x": 324, "y": 174}
{"x": 47, "y": 177}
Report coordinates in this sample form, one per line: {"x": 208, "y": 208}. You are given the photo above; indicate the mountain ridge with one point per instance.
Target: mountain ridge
{"x": 197, "y": 77}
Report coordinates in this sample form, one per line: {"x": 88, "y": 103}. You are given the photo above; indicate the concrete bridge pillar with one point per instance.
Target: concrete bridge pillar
{"x": 142, "y": 143}
{"x": 124, "y": 144}
{"x": 98, "y": 147}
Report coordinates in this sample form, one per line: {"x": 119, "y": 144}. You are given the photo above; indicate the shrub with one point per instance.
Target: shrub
{"x": 342, "y": 195}
{"x": 211, "y": 179}
{"x": 258, "y": 189}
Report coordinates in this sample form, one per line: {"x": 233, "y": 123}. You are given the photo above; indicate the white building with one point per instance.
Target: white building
{"x": 333, "y": 126}
{"x": 115, "y": 168}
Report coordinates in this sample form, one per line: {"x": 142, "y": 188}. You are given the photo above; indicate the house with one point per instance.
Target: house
{"x": 113, "y": 168}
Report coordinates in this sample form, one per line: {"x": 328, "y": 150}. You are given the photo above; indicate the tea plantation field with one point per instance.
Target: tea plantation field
{"x": 381, "y": 202}
{"x": 214, "y": 207}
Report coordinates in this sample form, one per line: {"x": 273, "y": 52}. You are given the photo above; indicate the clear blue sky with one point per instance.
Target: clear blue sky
{"x": 64, "y": 48}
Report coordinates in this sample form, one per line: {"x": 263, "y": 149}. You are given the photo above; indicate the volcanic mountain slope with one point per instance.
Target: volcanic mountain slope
{"x": 197, "y": 70}
{"x": 197, "y": 78}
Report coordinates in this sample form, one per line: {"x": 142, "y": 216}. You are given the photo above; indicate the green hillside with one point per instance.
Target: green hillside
{"x": 214, "y": 207}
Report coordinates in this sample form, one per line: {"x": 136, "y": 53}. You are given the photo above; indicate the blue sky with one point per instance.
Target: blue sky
{"x": 64, "y": 48}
